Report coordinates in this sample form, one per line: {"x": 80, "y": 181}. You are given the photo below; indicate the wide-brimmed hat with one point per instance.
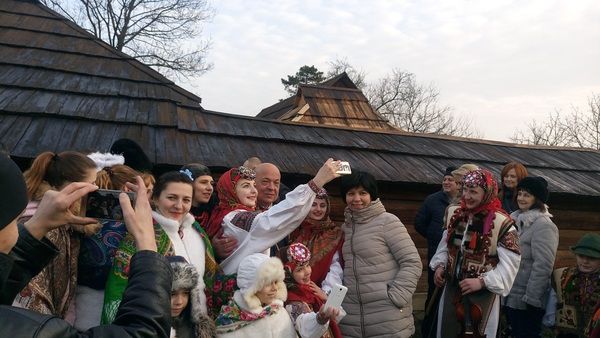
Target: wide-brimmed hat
{"x": 588, "y": 245}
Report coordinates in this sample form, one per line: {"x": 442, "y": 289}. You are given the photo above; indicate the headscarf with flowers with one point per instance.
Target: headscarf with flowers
{"x": 228, "y": 200}
{"x": 302, "y": 295}
{"x": 323, "y": 238}
{"x": 485, "y": 180}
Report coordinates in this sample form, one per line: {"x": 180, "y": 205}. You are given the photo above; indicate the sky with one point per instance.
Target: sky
{"x": 499, "y": 63}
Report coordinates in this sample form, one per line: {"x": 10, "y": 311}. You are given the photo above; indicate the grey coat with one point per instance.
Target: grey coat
{"x": 538, "y": 239}
{"x": 382, "y": 267}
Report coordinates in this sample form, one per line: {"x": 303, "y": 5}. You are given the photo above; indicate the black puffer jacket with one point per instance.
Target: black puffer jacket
{"x": 27, "y": 259}
{"x": 144, "y": 311}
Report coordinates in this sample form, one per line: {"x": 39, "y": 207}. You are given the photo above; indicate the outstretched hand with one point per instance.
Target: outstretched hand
{"x": 327, "y": 172}
{"x": 54, "y": 209}
{"x": 326, "y": 314}
{"x": 139, "y": 220}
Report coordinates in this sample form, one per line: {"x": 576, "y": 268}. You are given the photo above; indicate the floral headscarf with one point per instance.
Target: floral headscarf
{"x": 228, "y": 200}
{"x": 483, "y": 179}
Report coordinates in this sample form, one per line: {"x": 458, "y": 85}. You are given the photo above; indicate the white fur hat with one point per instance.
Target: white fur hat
{"x": 254, "y": 273}
{"x": 104, "y": 160}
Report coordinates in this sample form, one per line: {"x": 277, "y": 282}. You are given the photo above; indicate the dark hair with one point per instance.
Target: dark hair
{"x": 56, "y": 170}
{"x": 169, "y": 177}
{"x": 359, "y": 179}
{"x": 197, "y": 170}
{"x": 133, "y": 153}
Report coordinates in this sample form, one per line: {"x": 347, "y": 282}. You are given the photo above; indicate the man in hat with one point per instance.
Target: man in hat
{"x": 429, "y": 223}
{"x": 578, "y": 289}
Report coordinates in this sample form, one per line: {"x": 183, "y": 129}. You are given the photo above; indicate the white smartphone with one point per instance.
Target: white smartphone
{"x": 336, "y": 297}
{"x": 344, "y": 168}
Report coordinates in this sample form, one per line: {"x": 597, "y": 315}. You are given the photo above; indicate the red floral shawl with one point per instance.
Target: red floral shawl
{"x": 323, "y": 238}
{"x": 228, "y": 200}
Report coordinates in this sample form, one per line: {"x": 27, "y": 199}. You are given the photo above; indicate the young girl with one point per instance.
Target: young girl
{"x": 304, "y": 296}
{"x": 257, "y": 310}
{"x": 189, "y": 321}
{"x": 52, "y": 291}
{"x": 578, "y": 290}
{"x": 177, "y": 233}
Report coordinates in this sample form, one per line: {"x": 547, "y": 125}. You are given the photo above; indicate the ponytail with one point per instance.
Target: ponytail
{"x": 115, "y": 177}
{"x": 56, "y": 170}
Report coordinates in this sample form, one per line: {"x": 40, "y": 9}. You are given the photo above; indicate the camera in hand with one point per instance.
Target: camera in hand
{"x": 104, "y": 205}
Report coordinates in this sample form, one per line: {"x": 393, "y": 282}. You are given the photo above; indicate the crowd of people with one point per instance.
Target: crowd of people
{"x": 249, "y": 257}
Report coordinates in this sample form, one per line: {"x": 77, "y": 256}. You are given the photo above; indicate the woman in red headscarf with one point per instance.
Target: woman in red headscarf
{"x": 477, "y": 259}
{"x": 255, "y": 231}
{"x": 324, "y": 239}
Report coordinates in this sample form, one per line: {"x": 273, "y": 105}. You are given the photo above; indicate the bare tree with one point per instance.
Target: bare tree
{"x": 414, "y": 107}
{"x": 152, "y": 31}
{"x": 579, "y": 129}
{"x": 551, "y": 132}
{"x": 339, "y": 66}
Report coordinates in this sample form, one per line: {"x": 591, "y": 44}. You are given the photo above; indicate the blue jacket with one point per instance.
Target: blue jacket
{"x": 429, "y": 221}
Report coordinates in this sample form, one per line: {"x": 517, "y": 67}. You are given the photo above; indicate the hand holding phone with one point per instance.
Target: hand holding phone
{"x": 336, "y": 297}
{"x": 104, "y": 204}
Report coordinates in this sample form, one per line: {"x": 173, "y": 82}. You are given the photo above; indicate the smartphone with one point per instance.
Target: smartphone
{"x": 344, "y": 168}
{"x": 104, "y": 205}
{"x": 336, "y": 297}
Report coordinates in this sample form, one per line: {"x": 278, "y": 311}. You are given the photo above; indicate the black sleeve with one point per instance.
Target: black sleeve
{"x": 29, "y": 257}
{"x": 145, "y": 310}
{"x": 423, "y": 218}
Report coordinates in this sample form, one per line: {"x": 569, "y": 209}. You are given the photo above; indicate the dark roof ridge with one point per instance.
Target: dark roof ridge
{"x": 405, "y": 133}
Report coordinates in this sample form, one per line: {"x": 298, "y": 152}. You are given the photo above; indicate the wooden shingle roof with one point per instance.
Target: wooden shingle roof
{"x": 101, "y": 95}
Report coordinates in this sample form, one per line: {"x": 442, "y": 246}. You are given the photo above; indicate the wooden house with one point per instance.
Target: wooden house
{"x": 63, "y": 89}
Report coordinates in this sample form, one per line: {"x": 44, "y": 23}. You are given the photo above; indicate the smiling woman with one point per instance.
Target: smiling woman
{"x": 177, "y": 233}
{"x": 382, "y": 265}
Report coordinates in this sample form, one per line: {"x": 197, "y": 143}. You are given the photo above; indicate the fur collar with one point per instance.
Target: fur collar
{"x": 171, "y": 225}
{"x": 527, "y": 218}
{"x": 251, "y": 303}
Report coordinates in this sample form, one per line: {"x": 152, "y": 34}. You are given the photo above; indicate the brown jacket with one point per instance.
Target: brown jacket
{"x": 382, "y": 267}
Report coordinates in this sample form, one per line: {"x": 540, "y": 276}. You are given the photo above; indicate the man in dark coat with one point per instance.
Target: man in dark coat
{"x": 430, "y": 219}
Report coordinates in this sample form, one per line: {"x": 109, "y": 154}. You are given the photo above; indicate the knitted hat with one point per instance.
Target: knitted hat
{"x": 254, "y": 273}
{"x": 535, "y": 185}
{"x": 588, "y": 245}
{"x": 13, "y": 192}
{"x": 185, "y": 276}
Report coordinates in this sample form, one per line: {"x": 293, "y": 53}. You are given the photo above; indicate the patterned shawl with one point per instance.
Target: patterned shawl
{"x": 119, "y": 274}
{"x": 323, "y": 238}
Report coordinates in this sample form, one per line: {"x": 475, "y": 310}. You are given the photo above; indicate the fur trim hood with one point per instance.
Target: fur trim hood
{"x": 254, "y": 273}
{"x": 527, "y": 218}
{"x": 185, "y": 276}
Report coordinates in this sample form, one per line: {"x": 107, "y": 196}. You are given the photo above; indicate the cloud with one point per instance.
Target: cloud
{"x": 497, "y": 61}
